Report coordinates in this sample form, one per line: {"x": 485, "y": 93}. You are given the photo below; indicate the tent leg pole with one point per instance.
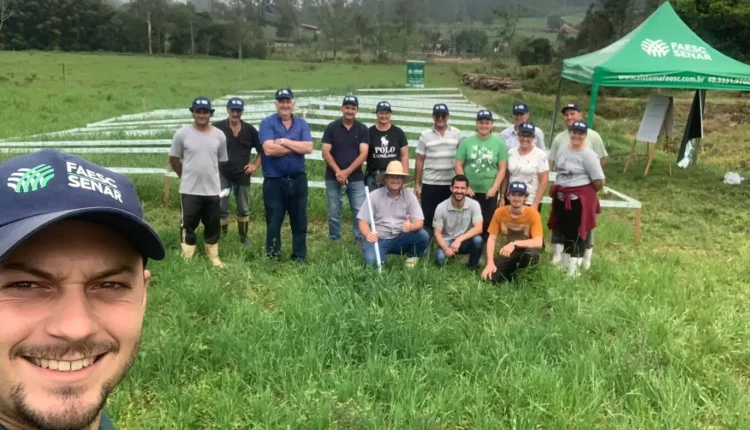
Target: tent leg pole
{"x": 592, "y": 105}
{"x": 554, "y": 112}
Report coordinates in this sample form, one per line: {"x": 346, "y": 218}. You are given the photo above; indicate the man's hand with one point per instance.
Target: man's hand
{"x": 508, "y": 249}
{"x": 449, "y": 251}
{"x": 469, "y": 192}
{"x": 489, "y": 270}
{"x": 406, "y": 228}
{"x": 342, "y": 176}
{"x": 250, "y": 169}
{"x": 455, "y": 245}
{"x": 492, "y": 193}
{"x": 372, "y": 237}
{"x": 417, "y": 190}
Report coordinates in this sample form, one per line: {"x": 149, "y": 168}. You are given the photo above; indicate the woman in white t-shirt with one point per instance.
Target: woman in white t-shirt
{"x": 528, "y": 164}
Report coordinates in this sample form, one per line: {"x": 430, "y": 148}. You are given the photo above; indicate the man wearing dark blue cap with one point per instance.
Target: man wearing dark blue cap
{"x": 73, "y": 285}
{"x": 521, "y": 113}
{"x": 345, "y": 146}
{"x": 519, "y": 230}
{"x": 285, "y": 139}
{"x": 242, "y": 138}
{"x": 387, "y": 143}
{"x": 434, "y": 165}
{"x": 196, "y": 152}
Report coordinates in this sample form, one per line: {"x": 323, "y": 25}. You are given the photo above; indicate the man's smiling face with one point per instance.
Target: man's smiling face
{"x": 72, "y": 300}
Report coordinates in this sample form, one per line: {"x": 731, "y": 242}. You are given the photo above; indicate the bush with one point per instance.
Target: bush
{"x": 535, "y": 52}
{"x": 555, "y": 22}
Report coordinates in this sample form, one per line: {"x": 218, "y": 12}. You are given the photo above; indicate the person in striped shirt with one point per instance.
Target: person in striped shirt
{"x": 434, "y": 166}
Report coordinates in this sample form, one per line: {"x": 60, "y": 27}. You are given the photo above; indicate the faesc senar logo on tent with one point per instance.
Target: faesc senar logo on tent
{"x": 659, "y": 49}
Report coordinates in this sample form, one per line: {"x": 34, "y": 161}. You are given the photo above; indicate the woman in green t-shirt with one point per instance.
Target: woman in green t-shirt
{"x": 483, "y": 158}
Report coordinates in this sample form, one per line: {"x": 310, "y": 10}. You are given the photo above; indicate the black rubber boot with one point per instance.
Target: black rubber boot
{"x": 242, "y": 228}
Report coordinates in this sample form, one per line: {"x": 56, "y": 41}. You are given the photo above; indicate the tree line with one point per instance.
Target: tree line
{"x": 239, "y": 28}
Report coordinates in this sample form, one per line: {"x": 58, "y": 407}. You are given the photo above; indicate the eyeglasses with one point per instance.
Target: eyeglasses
{"x": 441, "y": 115}
{"x": 526, "y": 137}
{"x": 235, "y": 110}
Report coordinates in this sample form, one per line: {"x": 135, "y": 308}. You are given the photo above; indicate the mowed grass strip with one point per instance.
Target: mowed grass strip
{"x": 654, "y": 336}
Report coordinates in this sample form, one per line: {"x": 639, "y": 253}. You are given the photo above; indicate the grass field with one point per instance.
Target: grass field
{"x": 654, "y": 336}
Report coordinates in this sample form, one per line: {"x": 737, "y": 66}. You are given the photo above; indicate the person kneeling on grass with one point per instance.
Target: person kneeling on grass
{"x": 398, "y": 219}
{"x": 458, "y": 225}
{"x": 520, "y": 228}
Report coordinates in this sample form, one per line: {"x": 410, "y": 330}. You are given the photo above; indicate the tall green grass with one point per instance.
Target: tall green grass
{"x": 654, "y": 336}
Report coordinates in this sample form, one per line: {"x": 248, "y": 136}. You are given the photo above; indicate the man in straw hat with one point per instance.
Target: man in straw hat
{"x": 397, "y": 217}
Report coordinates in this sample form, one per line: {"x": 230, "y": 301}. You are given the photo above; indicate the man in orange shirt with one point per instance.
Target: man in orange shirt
{"x": 520, "y": 230}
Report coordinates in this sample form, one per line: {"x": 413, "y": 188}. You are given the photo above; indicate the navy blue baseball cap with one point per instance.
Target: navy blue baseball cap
{"x": 518, "y": 187}
{"x": 440, "y": 108}
{"x": 236, "y": 103}
{"x": 527, "y": 128}
{"x": 484, "y": 114}
{"x": 579, "y": 126}
{"x": 350, "y": 100}
{"x": 383, "y": 106}
{"x": 201, "y": 103}
{"x": 284, "y": 93}
{"x": 520, "y": 108}
{"x": 49, "y": 186}
{"x": 570, "y": 106}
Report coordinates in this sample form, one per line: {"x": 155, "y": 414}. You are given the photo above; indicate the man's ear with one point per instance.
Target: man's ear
{"x": 146, "y": 282}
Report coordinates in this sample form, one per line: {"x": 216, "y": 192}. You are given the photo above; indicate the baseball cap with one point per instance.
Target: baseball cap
{"x": 284, "y": 93}
{"x": 201, "y": 103}
{"x": 383, "y": 106}
{"x": 579, "y": 126}
{"x": 520, "y": 108}
{"x": 484, "y": 114}
{"x": 236, "y": 103}
{"x": 527, "y": 127}
{"x": 518, "y": 187}
{"x": 350, "y": 100}
{"x": 570, "y": 106}
{"x": 49, "y": 186}
{"x": 440, "y": 108}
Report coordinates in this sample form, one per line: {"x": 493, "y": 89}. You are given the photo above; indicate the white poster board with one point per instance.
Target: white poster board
{"x": 658, "y": 115}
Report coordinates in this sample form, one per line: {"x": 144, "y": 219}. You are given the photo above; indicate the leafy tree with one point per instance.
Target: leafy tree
{"x": 555, "y": 22}
{"x": 535, "y": 52}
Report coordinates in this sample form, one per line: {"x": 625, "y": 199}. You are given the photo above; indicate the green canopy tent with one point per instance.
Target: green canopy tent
{"x": 662, "y": 52}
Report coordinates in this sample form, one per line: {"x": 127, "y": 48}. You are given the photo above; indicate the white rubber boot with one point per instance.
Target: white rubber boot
{"x": 574, "y": 266}
{"x": 557, "y": 252}
{"x": 213, "y": 255}
{"x": 587, "y": 258}
{"x": 188, "y": 251}
{"x": 411, "y": 262}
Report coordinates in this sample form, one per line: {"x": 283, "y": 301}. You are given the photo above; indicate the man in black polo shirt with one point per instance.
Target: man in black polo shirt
{"x": 387, "y": 143}
{"x": 345, "y": 147}
{"x": 242, "y": 138}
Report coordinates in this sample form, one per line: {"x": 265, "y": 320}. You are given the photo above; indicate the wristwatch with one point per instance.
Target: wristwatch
{"x": 281, "y": 142}
{"x": 515, "y": 245}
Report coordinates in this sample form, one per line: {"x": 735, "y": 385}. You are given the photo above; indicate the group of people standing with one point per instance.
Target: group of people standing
{"x": 471, "y": 195}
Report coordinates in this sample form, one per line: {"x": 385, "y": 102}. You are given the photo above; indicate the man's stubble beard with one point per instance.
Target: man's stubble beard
{"x": 68, "y": 420}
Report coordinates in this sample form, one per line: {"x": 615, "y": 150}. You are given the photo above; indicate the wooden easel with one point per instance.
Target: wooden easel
{"x": 650, "y": 153}
{"x": 657, "y": 118}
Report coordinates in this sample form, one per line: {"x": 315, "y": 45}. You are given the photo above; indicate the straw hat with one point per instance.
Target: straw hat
{"x": 394, "y": 169}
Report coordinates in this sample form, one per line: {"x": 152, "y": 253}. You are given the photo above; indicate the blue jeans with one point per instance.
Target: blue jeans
{"x": 412, "y": 244}
{"x": 355, "y": 191}
{"x": 472, "y": 246}
{"x": 287, "y": 194}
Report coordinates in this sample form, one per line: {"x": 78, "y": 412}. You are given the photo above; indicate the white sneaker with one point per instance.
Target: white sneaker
{"x": 574, "y": 266}
{"x": 587, "y": 258}
{"x": 557, "y": 252}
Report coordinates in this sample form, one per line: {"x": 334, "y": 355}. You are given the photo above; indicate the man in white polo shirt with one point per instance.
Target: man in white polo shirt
{"x": 521, "y": 113}
{"x": 434, "y": 167}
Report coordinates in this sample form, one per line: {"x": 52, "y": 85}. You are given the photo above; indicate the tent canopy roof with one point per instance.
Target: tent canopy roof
{"x": 661, "y": 52}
